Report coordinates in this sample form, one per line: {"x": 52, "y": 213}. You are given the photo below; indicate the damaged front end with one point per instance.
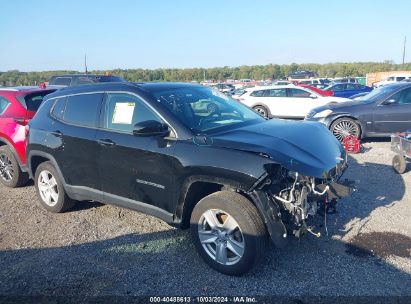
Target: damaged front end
{"x": 293, "y": 199}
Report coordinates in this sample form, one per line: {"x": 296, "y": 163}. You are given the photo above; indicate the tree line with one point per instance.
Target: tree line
{"x": 257, "y": 72}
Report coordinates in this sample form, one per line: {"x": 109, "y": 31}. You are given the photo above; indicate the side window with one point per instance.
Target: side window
{"x": 259, "y": 93}
{"x": 59, "y": 107}
{"x": 338, "y": 87}
{"x": 124, "y": 110}
{"x": 83, "y": 109}
{"x": 4, "y": 103}
{"x": 402, "y": 97}
{"x": 299, "y": 93}
{"x": 352, "y": 86}
{"x": 277, "y": 93}
{"x": 400, "y": 78}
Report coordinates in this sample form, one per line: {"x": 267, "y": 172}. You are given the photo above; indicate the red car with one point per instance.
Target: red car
{"x": 17, "y": 106}
{"x": 317, "y": 90}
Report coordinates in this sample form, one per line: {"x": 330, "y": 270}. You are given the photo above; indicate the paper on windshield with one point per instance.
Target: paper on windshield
{"x": 123, "y": 113}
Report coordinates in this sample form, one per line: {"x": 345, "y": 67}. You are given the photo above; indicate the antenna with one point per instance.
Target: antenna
{"x": 85, "y": 63}
{"x": 403, "y": 52}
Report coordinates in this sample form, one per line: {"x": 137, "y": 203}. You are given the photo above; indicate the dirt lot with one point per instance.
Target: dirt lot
{"x": 103, "y": 250}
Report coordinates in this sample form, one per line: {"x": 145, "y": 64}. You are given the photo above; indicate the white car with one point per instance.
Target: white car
{"x": 285, "y": 101}
{"x": 391, "y": 79}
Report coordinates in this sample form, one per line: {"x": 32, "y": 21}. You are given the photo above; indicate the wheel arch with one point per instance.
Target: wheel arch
{"x": 6, "y": 142}
{"x": 35, "y": 158}
{"x": 260, "y": 104}
{"x": 196, "y": 188}
{"x": 346, "y": 115}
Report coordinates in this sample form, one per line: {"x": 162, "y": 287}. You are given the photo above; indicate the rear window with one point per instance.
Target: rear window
{"x": 83, "y": 109}
{"x": 32, "y": 101}
{"x": 61, "y": 81}
{"x": 109, "y": 79}
{"x": 4, "y": 103}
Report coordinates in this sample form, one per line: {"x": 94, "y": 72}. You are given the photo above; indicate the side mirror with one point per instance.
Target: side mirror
{"x": 313, "y": 96}
{"x": 389, "y": 102}
{"x": 151, "y": 128}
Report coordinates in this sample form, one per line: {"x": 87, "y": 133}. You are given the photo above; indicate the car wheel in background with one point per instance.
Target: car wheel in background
{"x": 50, "y": 190}
{"x": 343, "y": 127}
{"x": 261, "y": 110}
{"x": 10, "y": 172}
{"x": 228, "y": 232}
{"x": 399, "y": 164}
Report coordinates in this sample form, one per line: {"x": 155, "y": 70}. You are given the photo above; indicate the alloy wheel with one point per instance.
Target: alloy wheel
{"x": 221, "y": 237}
{"x": 261, "y": 111}
{"x": 345, "y": 128}
{"x": 48, "y": 188}
{"x": 6, "y": 168}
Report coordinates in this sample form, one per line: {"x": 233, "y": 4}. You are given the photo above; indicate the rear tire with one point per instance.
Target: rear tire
{"x": 10, "y": 171}
{"x": 228, "y": 232}
{"x": 50, "y": 190}
{"x": 399, "y": 164}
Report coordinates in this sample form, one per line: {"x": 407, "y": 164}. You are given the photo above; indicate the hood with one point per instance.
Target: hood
{"x": 306, "y": 147}
{"x": 335, "y": 99}
{"x": 339, "y": 106}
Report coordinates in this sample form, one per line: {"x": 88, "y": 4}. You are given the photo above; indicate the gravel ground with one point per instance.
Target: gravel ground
{"x": 104, "y": 250}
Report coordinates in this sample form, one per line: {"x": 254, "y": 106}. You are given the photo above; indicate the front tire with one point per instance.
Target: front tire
{"x": 263, "y": 111}
{"x": 10, "y": 171}
{"x": 228, "y": 232}
{"x": 343, "y": 127}
{"x": 50, "y": 190}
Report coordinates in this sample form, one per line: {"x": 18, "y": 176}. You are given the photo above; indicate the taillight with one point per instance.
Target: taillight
{"x": 22, "y": 121}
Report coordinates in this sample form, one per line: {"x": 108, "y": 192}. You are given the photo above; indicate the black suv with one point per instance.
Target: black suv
{"x": 79, "y": 79}
{"x": 229, "y": 174}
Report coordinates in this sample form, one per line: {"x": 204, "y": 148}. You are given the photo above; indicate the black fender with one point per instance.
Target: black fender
{"x": 348, "y": 115}
{"x": 182, "y": 202}
{"x": 14, "y": 152}
{"x": 271, "y": 215}
{"x": 50, "y": 158}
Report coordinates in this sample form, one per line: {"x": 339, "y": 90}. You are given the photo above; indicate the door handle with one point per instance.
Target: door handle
{"x": 106, "y": 142}
{"x": 57, "y": 133}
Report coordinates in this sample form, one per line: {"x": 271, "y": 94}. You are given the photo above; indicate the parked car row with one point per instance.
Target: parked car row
{"x": 380, "y": 113}
{"x": 285, "y": 101}
{"x": 184, "y": 153}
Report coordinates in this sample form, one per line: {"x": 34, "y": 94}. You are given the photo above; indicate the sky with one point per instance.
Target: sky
{"x": 40, "y": 35}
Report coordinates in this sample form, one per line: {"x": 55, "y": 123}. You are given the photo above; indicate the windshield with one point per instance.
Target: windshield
{"x": 379, "y": 94}
{"x": 203, "y": 109}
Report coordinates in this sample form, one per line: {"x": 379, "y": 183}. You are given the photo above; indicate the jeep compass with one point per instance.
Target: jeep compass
{"x": 190, "y": 156}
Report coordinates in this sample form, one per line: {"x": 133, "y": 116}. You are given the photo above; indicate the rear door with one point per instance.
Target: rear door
{"x": 133, "y": 169}
{"x": 75, "y": 127}
{"x": 338, "y": 89}
{"x": 395, "y": 115}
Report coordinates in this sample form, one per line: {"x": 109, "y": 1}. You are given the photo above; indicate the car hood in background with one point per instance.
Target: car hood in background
{"x": 302, "y": 146}
{"x": 335, "y": 99}
{"x": 339, "y": 106}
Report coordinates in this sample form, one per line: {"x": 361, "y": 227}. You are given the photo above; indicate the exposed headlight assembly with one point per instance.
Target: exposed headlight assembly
{"x": 323, "y": 114}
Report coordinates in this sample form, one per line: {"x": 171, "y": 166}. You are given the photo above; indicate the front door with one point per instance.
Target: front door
{"x": 300, "y": 103}
{"x": 134, "y": 169}
{"x": 394, "y": 115}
